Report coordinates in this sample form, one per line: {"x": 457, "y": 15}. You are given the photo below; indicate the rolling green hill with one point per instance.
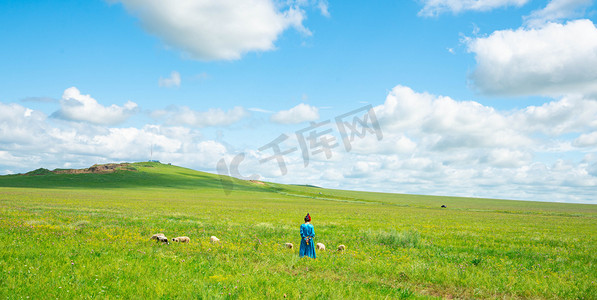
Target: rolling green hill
{"x": 86, "y": 235}
{"x": 135, "y": 175}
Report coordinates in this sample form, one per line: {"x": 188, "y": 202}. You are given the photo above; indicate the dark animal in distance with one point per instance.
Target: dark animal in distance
{"x": 443, "y": 206}
{"x": 162, "y": 239}
{"x": 155, "y": 236}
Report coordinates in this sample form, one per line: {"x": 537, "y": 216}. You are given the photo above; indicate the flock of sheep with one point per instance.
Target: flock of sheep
{"x": 161, "y": 238}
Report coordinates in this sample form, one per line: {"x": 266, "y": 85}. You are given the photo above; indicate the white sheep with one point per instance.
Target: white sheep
{"x": 288, "y": 245}
{"x": 341, "y": 248}
{"x": 181, "y": 239}
{"x": 320, "y": 246}
{"x": 214, "y": 239}
{"x": 155, "y": 236}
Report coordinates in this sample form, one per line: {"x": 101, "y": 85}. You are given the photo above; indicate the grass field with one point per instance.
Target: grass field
{"x": 87, "y": 236}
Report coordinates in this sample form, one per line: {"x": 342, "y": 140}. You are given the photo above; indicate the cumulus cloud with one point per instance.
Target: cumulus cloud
{"x": 216, "y": 29}
{"x": 29, "y": 140}
{"x": 566, "y": 115}
{"x": 468, "y": 134}
{"x": 460, "y": 146}
{"x": 298, "y": 114}
{"x": 20, "y": 126}
{"x": 397, "y": 143}
{"x": 260, "y": 110}
{"x": 586, "y": 140}
{"x": 556, "y": 11}
{"x": 507, "y": 158}
{"x": 436, "y": 7}
{"x": 555, "y": 59}
{"x": 173, "y": 81}
{"x": 362, "y": 169}
{"x": 213, "y": 117}
{"x": 443, "y": 123}
{"x": 75, "y": 106}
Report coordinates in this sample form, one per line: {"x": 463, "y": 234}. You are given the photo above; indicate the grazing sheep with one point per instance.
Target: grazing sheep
{"x": 214, "y": 239}
{"x": 181, "y": 239}
{"x": 320, "y": 246}
{"x": 162, "y": 239}
{"x": 341, "y": 248}
{"x": 288, "y": 245}
{"x": 155, "y": 236}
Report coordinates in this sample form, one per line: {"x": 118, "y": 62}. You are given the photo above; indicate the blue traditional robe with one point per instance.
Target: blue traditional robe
{"x": 307, "y": 243}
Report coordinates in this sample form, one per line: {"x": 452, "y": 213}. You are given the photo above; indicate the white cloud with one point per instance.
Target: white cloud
{"x": 323, "y": 6}
{"x": 556, "y": 11}
{"x": 454, "y": 146}
{"x": 29, "y": 140}
{"x": 507, "y": 158}
{"x": 173, "y": 81}
{"x": 20, "y": 126}
{"x": 556, "y": 59}
{"x": 443, "y": 123}
{"x": 586, "y": 140}
{"x": 298, "y": 114}
{"x": 567, "y": 115}
{"x": 437, "y": 7}
{"x": 216, "y": 29}
{"x": 396, "y": 144}
{"x": 77, "y": 107}
{"x": 260, "y": 110}
{"x": 362, "y": 169}
{"x": 212, "y": 117}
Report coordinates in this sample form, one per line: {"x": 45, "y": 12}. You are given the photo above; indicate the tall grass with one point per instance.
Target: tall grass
{"x": 394, "y": 239}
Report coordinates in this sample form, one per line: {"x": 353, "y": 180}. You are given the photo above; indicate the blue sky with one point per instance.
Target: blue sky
{"x": 480, "y": 98}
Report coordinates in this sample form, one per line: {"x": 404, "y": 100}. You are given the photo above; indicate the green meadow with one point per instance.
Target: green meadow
{"x": 88, "y": 236}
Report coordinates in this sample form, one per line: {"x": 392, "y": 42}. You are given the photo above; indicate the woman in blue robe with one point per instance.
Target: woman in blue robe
{"x": 307, "y": 235}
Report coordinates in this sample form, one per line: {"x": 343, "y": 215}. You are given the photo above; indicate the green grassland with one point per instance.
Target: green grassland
{"x": 87, "y": 236}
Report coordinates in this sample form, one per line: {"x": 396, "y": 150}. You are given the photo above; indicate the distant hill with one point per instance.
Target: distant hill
{"x": 125, "y": 175}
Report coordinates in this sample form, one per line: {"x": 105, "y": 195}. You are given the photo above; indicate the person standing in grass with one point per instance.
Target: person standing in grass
{"x": 307, "y": 235}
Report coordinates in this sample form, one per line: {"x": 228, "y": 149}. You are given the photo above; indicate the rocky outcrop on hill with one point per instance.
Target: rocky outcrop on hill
{"x": 98, "y": 169}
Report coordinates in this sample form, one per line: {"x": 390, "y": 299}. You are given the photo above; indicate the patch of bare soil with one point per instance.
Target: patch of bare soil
{"x": 98, "y": 169}
{"x": 257, "y": 182}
